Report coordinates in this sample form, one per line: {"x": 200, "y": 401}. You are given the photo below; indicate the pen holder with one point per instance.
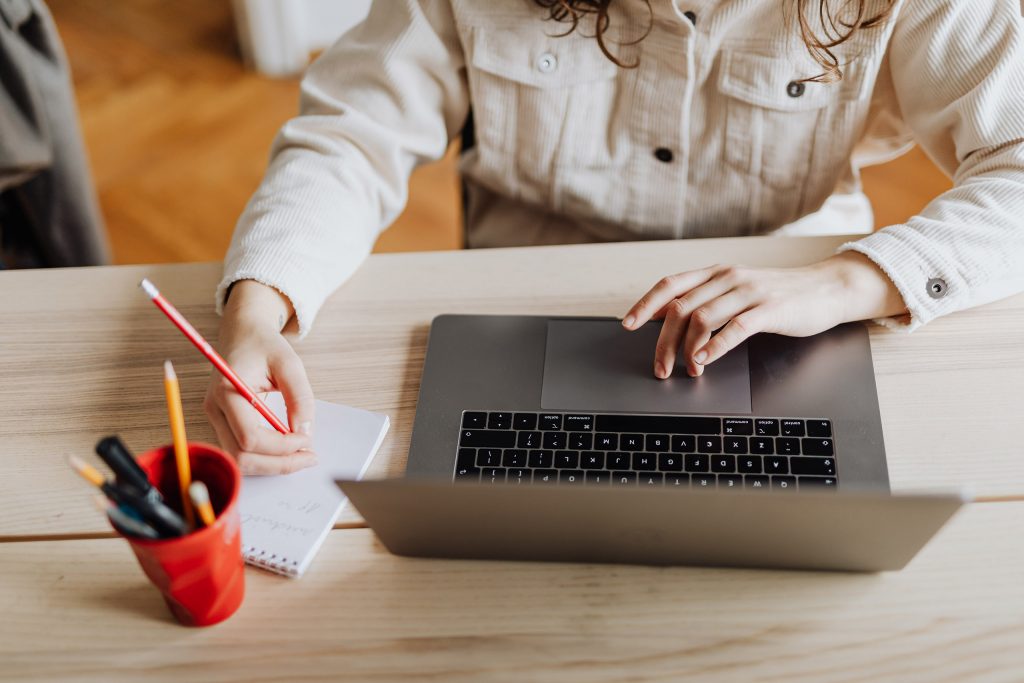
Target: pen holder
{"x": 201, "y": 575}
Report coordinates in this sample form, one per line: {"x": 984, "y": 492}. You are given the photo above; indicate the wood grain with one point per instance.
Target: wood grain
{"x": 83, "y": 348}
{"x": 82, "y": 611}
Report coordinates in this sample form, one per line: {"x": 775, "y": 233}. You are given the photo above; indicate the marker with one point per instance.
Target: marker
{"x": 119, "y": 459}
{"x": 166, "y": 521}
{"x": 204, "y": 347}
{"x": 124, "y": 522}
{"x": 201, "y": 500}
{"x": 180, "y": 442}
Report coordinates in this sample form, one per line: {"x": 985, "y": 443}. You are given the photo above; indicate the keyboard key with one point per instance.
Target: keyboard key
{"x": 598, "y": 478}
{"x": 467, "y": 474}
{"x": 488, "y": 457}
{"x": 529, "y": 440}
{"x": 519, "y": 476}
{"x": 631, "y": 442}
{"x": 723, "y": 463}
{"x": 749, "y": 464}
{"x": 493, "y": 475}
{"x": 695, "y": 462}
{"x": 554, "y": 440}
{"x": 550, "y": 422}
{"x": 545, "y": 476}
{"x": 474, "y": 420}
{"x": 776, "y": 465}
{"x": 466, "y": 458}
{"x": 483, "y": 438}
{"x": 765, "y": 427}
{"x": 817, "y": 446}
{"x": 499, "y": 421}
{"x": 571, "y": 477}
{"x": 762, "y": 446}
{"x": 645, "y": 461}
{"x": 730, "y": 481}
{"x": 819, "y": 428}
{"x": 792, "y": 427}
{"x": 514, "y": 458}
{"x": 659, "y": 424}
{"x": 670, "y": 462}
{"x": 524, "y": 421}
{"x": 784, "y": 483}
{"x": 581, "y": 441}
{"x": 816, "y": 483}
{"x": 542, "y": 459}
{"x": 592, "y": 460}
{"x": 606, "y": 442}
{"x": 702, "y": 481}
{"x": 785, "y": 446}
{"x": 579, "y": 423}
{"x": 756, "y": 482}
{"x": 567, "y": 460}
{"x": 735, "y": 444}
{"x": 739, "y": 426}
{"x": 619, "y": 461}
{"x": 709, "y": 444}
{"x": 657, "y": 443}
{"x": 680, "y": 480}
{"x": 624, "y": 478}
{"x": 814, "y": 466}
{"x": 684, "y": 444}
{"x": 651, "y": 479}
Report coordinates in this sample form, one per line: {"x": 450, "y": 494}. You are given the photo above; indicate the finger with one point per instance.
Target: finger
{"x": 677, "y": 322}
{"x": 290, "y": 377}
{"x": 255, "y": 463}
{"x": 735, "y": 332}
{"x": 659, "y": 296}
{"x": 250, "y": 433}
{"x": 705, "y": 320}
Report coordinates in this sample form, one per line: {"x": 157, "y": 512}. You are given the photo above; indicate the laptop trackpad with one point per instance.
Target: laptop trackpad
{"x": 596, "y": 365}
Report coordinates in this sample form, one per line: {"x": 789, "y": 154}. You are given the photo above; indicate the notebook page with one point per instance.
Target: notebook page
{"x": 286, "y": 518}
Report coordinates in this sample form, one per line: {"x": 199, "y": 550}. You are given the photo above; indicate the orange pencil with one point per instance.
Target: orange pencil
{"x": 180, "y": 441}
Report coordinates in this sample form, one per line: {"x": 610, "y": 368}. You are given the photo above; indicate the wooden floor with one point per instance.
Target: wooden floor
{"x": 178, "y": 134}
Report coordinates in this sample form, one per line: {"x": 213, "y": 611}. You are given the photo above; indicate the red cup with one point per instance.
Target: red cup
{"x": 201, "y": 575}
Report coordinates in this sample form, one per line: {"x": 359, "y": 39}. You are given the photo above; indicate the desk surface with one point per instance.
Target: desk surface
{"x": 82, "y": 350}
{"x": 78, "y": 610}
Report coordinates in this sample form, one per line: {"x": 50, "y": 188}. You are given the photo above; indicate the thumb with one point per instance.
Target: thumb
{"x": 290, "y": 377}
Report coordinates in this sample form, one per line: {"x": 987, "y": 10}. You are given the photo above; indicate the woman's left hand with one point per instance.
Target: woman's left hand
{"x": 740, "y": 302}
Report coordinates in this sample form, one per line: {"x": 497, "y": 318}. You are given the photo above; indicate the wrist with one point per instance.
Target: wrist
{"x": 254, "y": 304}
{"x": 866, "y": 291}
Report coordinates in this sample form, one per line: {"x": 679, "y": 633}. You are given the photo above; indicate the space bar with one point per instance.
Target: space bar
{"x": 659, "y": 424}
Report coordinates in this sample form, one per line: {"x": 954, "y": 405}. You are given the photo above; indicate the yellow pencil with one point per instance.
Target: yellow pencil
{"x": 180, "y": 441}
{"x": 201, "y": 500}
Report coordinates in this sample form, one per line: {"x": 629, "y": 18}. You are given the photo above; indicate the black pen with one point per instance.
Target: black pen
{"x": 119, "y": 459}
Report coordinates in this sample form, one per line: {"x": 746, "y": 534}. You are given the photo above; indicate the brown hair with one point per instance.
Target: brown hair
{"x": 837, "y": 26}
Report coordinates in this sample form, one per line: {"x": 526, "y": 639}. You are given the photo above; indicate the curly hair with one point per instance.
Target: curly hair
{"x": 837, "y": 26}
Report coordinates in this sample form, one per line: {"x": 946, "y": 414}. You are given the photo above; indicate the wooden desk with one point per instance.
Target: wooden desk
{"x": 81, "y": 354}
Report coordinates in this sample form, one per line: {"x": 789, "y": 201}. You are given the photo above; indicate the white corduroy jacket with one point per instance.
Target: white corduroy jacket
{"x": 712, "y": 134}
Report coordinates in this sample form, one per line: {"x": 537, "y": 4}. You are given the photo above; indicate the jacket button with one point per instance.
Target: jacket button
{"x": 546, "y": 63}
{"x": 937, "y": 288}
{"x": 691, "y": 16}
{"x": 663, "y": 154}
{"x": 795, "y": 89}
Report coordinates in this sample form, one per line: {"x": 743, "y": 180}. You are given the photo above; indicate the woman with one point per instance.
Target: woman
{"x": 601, "y": 120}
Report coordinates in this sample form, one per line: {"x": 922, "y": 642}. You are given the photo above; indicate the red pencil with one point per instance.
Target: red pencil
{"x": 204, "y": 347}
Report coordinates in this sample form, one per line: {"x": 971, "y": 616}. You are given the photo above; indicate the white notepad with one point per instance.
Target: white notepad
{"x": 286, "y": 518}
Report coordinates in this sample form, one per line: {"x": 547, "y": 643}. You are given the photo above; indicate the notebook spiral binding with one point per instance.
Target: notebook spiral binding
{"x": 258, "y": 558}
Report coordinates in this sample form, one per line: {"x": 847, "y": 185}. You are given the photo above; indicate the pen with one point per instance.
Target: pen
{"x": 166, "y": 521}
{"x": 125, "y": 523}
{"x": 211, "y": 355}
{"x": 201, "y": 500}
{"x": 180, "y": 442}
{"x": 119, "y": 459}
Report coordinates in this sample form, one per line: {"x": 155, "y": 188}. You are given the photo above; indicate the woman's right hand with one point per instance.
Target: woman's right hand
{"x": 252, "y": 343}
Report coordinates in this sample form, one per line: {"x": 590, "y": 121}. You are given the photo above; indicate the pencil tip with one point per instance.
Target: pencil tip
{"x": 149, "y": 288}
{"x": 169, "y": 370}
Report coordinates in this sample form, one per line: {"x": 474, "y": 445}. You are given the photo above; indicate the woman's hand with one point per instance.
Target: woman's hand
{"x": 740, "y": 302}
{"x": 251, "y": 342}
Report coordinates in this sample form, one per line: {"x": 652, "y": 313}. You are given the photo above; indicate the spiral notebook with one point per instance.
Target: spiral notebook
{"x": 285, "y": 519}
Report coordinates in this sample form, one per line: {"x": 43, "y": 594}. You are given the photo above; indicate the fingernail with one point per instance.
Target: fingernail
{"x": 660, "y": 371}
{"x": 700, "y": 357}
{"x": 306, "y": 428}
{"x": 309, "y": 461}
{"x": 629, "y": 321}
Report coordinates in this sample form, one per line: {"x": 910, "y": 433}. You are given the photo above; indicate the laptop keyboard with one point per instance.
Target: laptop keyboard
{"x": 565, "y": 449}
